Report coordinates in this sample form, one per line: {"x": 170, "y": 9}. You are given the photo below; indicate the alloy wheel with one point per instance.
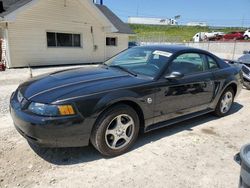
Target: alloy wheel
{"x": 226, "y": 102}
{"x": 120, "y": 132}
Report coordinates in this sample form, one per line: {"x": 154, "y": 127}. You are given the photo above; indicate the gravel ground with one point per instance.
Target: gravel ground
{"x": 195, "y": 153}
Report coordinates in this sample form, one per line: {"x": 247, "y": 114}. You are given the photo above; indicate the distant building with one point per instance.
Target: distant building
{"x": 201, "y": 24}
{"x": 152, "y": 21}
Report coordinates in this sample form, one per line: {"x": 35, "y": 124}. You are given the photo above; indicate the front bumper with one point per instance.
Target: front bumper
{"x": 49, "y": 131}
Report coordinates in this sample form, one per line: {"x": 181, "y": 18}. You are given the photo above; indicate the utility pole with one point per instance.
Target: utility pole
{"x": 137, "y": 10}
{"x": 243, "y": 21}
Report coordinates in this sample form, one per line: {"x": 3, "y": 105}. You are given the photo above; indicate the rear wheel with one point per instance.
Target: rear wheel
{"x": 246, "y": 37}
{"x": 116, "y": 131}
{"x": 225, "y": 103}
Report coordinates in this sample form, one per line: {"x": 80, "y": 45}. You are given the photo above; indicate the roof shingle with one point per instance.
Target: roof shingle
{"x": 117, "y": 22}
{"x": 12, "y": 5}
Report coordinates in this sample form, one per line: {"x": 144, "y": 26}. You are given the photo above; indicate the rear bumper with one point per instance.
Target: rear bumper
{"x": 51, "y": 132}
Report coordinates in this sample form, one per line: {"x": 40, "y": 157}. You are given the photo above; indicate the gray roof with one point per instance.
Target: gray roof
{"x": 117, "y": 22}
{"x": 12, "y": 5}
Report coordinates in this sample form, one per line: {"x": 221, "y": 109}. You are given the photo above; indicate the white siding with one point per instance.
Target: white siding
{"x": 27, "y": 35}
{"x": 122, "y": 44}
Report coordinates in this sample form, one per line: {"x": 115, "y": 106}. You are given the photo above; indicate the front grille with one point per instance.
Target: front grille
{"x": 248, "y": 65}
{"x": 246, "y": 70}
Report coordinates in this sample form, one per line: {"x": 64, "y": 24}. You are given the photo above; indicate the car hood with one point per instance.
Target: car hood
{"x": 72, "y": 83}
{"x": 245, "y": 59}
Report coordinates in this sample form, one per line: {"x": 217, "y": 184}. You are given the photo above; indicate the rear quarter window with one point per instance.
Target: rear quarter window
{"x": 212, "y": 64}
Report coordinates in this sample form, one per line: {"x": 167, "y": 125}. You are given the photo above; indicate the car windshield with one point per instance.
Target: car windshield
{"x": 140, "y": 61}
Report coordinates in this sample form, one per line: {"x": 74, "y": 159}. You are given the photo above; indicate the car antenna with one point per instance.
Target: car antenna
{"x": 31, "y": 74}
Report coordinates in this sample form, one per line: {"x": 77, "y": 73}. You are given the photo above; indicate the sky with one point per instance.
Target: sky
{"x": 213, "y": 12}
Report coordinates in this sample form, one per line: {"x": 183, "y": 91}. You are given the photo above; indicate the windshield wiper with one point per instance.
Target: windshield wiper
{"x": 124, "y": 69}
{"x": 105, "y": 64}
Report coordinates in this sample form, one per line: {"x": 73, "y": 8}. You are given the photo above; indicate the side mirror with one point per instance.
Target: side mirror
{"x": 174, "y": 76}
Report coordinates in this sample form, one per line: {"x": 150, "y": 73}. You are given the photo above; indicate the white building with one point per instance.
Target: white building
{"x": 53, "y": 32}
{"x": 201, "y": 24}
{"x": 152, "y": 21}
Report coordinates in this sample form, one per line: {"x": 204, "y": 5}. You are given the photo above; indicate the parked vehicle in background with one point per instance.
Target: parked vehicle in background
{"x": 235, "y": 35}
{"x": 198, "y": 37}
{"x": 206, "y": 36}
{"x": 213, "y": 34}
{"x": 247, "y": 34}
{"x": 142, "y": 88}
{"x": 132, "y": 44}
{"x": 245, "y": 68}
{"x": 245, "y": 59}
{"x": 243, "y": 159}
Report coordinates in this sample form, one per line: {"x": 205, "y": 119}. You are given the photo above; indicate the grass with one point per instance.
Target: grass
{"x": 173, "y": 33}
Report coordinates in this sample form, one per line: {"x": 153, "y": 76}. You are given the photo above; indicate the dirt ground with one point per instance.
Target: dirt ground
{"x": 195, "y": 153}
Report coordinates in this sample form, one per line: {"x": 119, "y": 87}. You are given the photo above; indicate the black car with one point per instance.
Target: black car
{"x": 141, "y": 88}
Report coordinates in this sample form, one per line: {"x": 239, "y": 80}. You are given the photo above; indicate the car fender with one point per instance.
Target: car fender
{"x": 112, "y": 98}
{"x": 223, "y": 87}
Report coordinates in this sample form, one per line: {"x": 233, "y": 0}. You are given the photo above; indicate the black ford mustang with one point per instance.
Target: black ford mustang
{"x": 141, "y": 88}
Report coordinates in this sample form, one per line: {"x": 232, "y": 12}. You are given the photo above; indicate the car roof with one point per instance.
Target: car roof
{"x": 170, "y": 48}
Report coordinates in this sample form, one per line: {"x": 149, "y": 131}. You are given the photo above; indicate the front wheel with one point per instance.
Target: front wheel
{"x": 225, "y": 103}
{"x": 246, "y": 37}
{"x": 116, "y": 130}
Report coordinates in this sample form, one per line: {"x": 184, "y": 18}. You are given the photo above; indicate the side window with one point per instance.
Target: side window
{"x": 188, "y": 63}
{"x": 63, "y": 40}
{"x": 212, "y": 64}
{"x": 111, "y": 41}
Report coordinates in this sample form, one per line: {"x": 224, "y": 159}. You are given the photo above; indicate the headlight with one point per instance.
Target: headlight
{"x": 19, "y": 96}
{"x": 51, "y": 110}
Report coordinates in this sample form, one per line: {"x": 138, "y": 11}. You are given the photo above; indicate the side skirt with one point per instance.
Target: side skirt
{"x": 177, "y": 120}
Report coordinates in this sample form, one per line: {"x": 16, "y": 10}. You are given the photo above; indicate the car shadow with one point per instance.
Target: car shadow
{"x": 71, "y": 156}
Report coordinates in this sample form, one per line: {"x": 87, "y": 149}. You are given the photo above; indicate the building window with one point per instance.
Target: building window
{"x": 111, "y": 41}
{"x": 63, "y": 40}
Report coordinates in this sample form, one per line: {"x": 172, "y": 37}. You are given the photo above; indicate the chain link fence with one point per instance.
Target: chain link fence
{"x": 159, "y": 37}
{"x": 224, "y": 49}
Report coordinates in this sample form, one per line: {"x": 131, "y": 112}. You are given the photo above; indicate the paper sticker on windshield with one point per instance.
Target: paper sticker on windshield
{"x": 162, "y": 53}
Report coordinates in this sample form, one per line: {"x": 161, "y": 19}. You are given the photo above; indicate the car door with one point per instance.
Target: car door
{"x": 190, "y": 93}
{"x": 234, "y": 35}
{"x": 230, "y": 35}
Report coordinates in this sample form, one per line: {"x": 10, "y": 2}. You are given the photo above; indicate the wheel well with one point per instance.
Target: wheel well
{"x": 137, "y": 109}
{"x": 234, "y": 87}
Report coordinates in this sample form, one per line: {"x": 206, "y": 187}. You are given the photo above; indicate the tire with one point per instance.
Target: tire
{"x": 246, "y": 85}
{"x": 220, "y": 110}
{"x": 112, "y": 134}
{"x": 246, "y": 37}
